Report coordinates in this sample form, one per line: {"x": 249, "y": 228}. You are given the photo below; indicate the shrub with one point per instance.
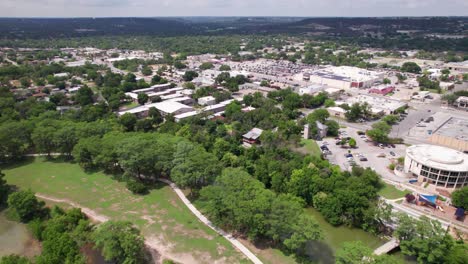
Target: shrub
{"x": 137, "y": 187}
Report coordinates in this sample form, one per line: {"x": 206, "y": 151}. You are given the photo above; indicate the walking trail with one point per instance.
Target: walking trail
{"x": 207, "y": 222}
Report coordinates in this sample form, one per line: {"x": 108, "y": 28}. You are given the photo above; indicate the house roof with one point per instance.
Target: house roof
{"x": 255, "y": 133}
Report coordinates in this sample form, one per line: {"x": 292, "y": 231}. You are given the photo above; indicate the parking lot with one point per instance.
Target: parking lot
{"x": 378, "y": 158}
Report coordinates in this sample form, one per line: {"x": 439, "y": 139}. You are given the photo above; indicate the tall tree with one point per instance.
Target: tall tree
{"x": 120, "y": 242}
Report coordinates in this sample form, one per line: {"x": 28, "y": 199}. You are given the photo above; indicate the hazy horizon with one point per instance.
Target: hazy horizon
{"x": 231, "y": 8}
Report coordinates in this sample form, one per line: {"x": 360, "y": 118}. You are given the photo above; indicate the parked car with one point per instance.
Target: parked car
{"x": 392, "y": 145}
{"x": 363, "y": 159}
{"x": 381, "y": 155}
{"x": 349, "y": 155}
{"x": 392, "y": 153}
{"x": 381, "y": 146}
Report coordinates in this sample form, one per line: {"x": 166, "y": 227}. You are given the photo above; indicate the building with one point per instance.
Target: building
{"x": 207, "y": 100}
{"x": 345, "y": 77}
{"x": 447, "y": 85}
{"x": 382, "y": 89}
{"x": 311, "y": 89}
{"x": 321, "y": 130}
{"x": 379, "y": 105}
{"x": 458, "y": 66}
{"x": 452, "y": 132}
{"x": 462, "y": 102}
{"x": 165, "y": 108}
{"x": 337, "y": 111}
{"x": 252, "y": 137}
{"x": 436, "y": 165}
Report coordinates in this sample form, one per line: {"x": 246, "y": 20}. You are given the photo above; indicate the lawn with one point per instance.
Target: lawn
{"x": 160, "y": 215}
{"x": 391, "y": 192}
{"x": 311, "y": 147}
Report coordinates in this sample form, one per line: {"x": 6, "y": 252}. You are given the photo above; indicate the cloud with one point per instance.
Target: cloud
{"x": 64, "y": 8}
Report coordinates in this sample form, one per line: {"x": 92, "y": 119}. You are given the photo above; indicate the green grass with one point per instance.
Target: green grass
{"x": 311, "y": 147}
{"x": 130, "y": 105}
{"x": 391, "y": 192}
{"x": 160, "y": 215}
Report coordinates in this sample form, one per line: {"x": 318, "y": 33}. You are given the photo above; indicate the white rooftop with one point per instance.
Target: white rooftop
{"x": 439, "y": 157}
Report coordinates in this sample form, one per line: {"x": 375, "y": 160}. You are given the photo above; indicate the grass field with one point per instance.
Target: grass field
{"x": 161, "y": 216}
{"x": 311, "y": 147}
{"x": 391, "y": 192}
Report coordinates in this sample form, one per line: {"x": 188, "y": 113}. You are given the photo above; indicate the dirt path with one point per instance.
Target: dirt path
{"x": 207, "y": 222}
{"x": 91, "y": 214}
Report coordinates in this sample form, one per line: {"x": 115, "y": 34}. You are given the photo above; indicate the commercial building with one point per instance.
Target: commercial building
{"x": 458, "y": 66}
{"x": 452, "y": 133}
{"x": 345, "y": 77}
{"x": 382, "y": 89}
{"x": 436, "y": 165}
{"x": 378, "y": 104}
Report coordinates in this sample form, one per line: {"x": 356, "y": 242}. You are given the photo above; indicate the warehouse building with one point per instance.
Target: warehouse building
{"x": 452, "y": 133}
{"x": 438, "y": 166}
{"x": 345, "y": 77}
{"x": 378, "y": 104}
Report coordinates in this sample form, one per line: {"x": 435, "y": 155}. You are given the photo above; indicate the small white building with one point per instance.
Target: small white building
{"x": 337, "y": 111}
{"x": 207, "y": 100}
{"x": 311, "y": 89}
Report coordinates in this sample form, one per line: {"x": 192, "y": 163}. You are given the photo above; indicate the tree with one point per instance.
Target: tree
{"x": 264, "y": 83}
{"x": 15, "y": 138}
{"x": 158, "y": 80}
{"x": 460, "y": 198}
{"x": 14, "y": 259}
{"x": 193, "y": 166}
{"x": 354, "y": 113}
{"x": 189, "y": 76}
{"x": 333, "y": 128}
{"x": 179, "y": 65}
{"x": 206, "y": 66}
{"x": 25, "y": 205}
{"x": 320, "y": 115}
{"x": 352, "y": 143}
{"x": 142, "y": 98}
{"x": 4, "y": 188}
{"x": 457, "y": 254}
{"x": 424, "y": 238}
{"x": 411, "y": 67}
{"x": 42, "y": 138}
{"x": 352, "y": 253}
{"x": 128, "y": 121}
{"x": 386, "y": 81}
{"x": 329, "y": 103}
{"x": 84, "y": 96}
{"x": 25, "y": 82}
{"x": 120, "y": 242}
{"x": 146, "y": 70}
{"x": 232, "y": 109}
{"x": 155, "y": 115}
{"x": 224, "y": 67}
{"x": 60, "y": 248}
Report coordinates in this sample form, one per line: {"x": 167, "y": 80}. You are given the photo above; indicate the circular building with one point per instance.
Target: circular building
{"x": 440, "y": 166}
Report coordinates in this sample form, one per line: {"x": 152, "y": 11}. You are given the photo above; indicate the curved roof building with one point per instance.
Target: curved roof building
{"x": 441, "y": 166}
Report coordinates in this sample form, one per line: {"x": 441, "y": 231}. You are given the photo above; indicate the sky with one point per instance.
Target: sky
{"x": 309, "y": 8}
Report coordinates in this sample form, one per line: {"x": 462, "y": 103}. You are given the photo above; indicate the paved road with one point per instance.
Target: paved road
{"x": 207, "y": 222}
